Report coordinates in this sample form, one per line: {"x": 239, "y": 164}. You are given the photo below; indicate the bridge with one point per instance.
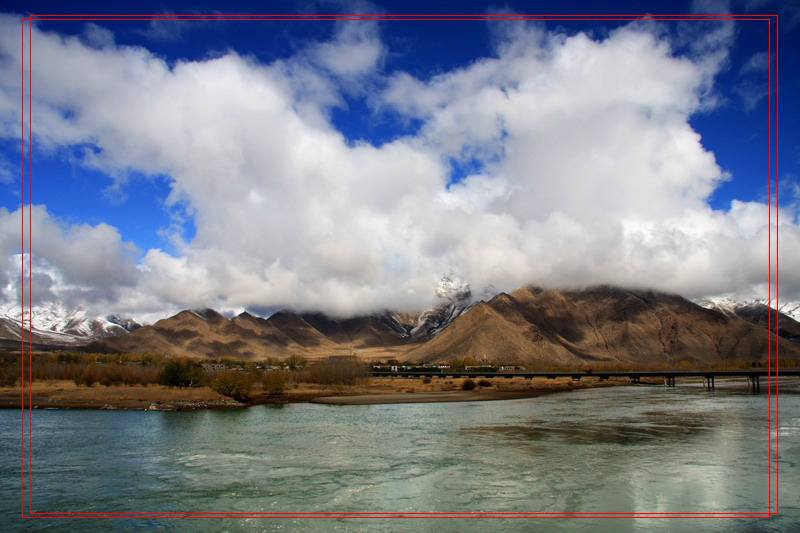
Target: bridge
{"x": 753, "y": 376}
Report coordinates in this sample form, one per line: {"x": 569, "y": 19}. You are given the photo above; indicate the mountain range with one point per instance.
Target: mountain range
{"x": 530, "y": 325}
{"x": 208, "y": 333}
{"x": 599, "y": 325}
{"x": 52, "y": 324}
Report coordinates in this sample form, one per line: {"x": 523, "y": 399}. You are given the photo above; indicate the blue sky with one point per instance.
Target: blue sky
{"x": 392, "y": 100}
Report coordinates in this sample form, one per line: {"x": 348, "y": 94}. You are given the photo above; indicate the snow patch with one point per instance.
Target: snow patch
{"x": 729, "y": 304}
{"x": 53, "y": 323}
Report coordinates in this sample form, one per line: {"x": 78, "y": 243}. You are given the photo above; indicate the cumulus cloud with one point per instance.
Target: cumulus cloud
{"x": 355, "y": 49}
{"x": 98, "y": 36}
{"x": 79, "y": 264}
{"x": 589, "y": 172}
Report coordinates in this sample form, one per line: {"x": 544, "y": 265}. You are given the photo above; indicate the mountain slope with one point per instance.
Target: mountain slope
{"x": 264, "y": 330}
{"x": 602, "y": 324}
{"x": 299, "y": 331}
{"x": 203, "y": 333}
{"x": 359, "y": 332}
{"x": 728, "y": 304}
{"x": 760, "y": 314}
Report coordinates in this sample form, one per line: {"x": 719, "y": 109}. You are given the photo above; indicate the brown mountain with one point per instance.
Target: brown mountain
{"x": 204, "y": 333}
{"x": 360, "y": 332}
{"x": 530, "y": 326}
{"x": 601, "y": 324}
{"x": 207, "y": 333}
{"x": 300, "y": 331}
{"x": 265, "y": 330}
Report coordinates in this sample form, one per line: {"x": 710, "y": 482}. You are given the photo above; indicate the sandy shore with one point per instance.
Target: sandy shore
{"x": 66, "y": 395}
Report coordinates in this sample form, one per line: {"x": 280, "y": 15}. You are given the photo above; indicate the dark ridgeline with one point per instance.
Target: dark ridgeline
{"x": 596, "y": 326}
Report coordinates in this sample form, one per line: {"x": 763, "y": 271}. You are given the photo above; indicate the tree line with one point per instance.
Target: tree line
{"x": 235, "y": 380}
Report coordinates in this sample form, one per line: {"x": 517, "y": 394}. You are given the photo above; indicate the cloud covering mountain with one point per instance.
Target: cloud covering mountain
{"x": 582, "y": 168}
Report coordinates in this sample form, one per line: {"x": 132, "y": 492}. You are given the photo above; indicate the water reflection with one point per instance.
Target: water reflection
{"x": 650, "y": 427}
{"x": 592, "y": 434}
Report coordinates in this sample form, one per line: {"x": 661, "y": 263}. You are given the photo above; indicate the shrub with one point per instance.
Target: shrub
{"x": 67, "y": 358}
{"x": 274, "y": 383}
{"x": 233, "y": 385}
{"x": 336, "y": 373}
{"x": 295, "y": 361}
{"x": 113, "y": 377}
{"x": 139, "y": 374}
{"x": 484, "y": 383}
{"x": 181, "y": 374}
{"x": 9, "y": 376}
{"x": 87, "y": 376}
{"x": 468, "y": 384}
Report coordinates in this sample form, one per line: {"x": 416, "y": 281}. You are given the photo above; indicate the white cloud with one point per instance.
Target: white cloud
{"x": 591, "y": 173}
{"x": 354, "y": 50}
{"x": 80, "y": 263}
{"x": 98, "y": 36}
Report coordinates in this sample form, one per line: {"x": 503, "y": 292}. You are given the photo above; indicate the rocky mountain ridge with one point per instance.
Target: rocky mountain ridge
{"x": 530, "y": 325}
{"x": 596, "y": 326}
{"x": 727, "y": 304}
{"x": 53, "y": 324}
{"x": 759, "y": 313}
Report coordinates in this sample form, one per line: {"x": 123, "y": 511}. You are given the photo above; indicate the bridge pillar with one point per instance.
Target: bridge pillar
{"x": 635, "y": 379}
{"x": 754, "y": 384}
{"x": 708, "y": 381}
{"x": 669, "y": 381}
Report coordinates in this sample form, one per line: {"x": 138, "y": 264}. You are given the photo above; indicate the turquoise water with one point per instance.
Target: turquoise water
{"x": 631, "y": 449}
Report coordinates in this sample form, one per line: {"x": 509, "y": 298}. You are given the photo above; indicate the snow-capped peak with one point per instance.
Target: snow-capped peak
{"x": 53, "y": 320}
{"x": 452, "y": 287}
{"x": 730, "y": 304}
{"x": 457, "y": 298}
{"x": 49, "y": 316}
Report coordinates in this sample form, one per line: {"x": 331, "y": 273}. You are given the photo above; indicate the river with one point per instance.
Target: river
{"x": 624, "y": 449}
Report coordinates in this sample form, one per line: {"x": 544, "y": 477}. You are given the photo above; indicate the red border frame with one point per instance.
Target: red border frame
{"x": 30, "y": 513}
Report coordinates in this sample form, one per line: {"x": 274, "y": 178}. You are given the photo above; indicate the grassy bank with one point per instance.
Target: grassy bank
{"x": 63, "y": 394}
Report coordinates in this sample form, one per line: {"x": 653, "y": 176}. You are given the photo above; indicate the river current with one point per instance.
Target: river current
{"x": 624, "y": 449}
